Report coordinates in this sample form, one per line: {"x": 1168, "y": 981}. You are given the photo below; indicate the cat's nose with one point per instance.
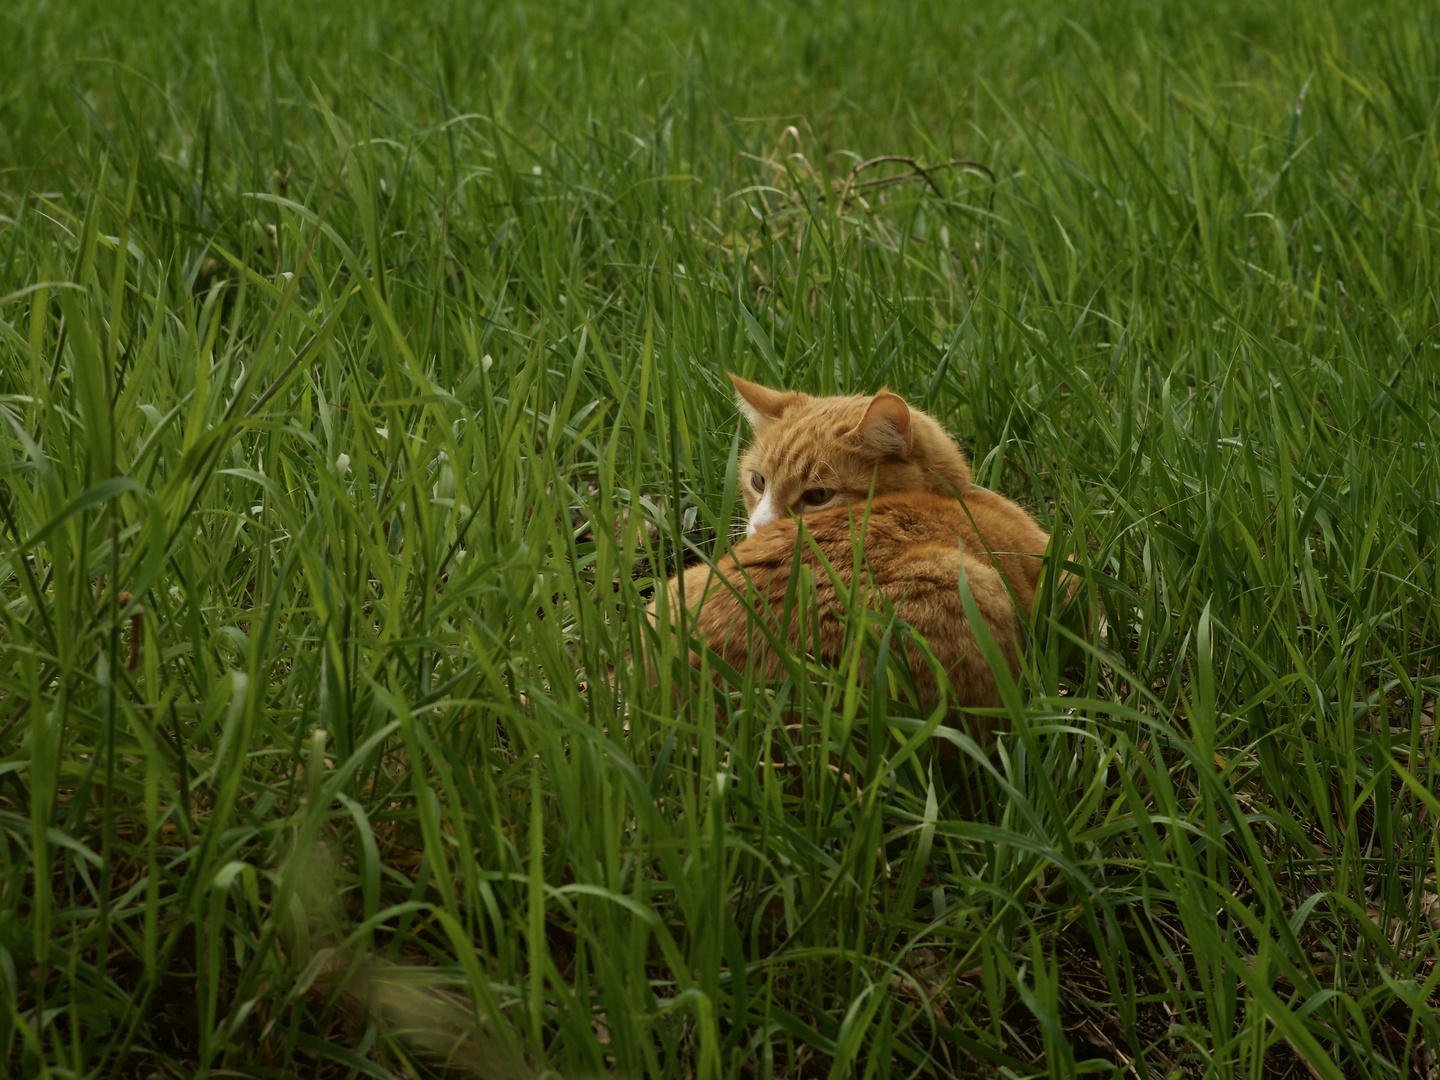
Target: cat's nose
{"x": 763, "y": 514}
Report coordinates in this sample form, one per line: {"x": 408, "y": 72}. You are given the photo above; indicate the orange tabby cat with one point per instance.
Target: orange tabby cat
{"x": 814, "y": 460}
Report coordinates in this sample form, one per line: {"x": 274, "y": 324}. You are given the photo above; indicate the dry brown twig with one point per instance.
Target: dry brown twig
{"x": 918, "y": 173}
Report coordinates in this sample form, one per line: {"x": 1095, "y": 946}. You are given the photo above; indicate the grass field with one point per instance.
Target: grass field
{"x": 362, "y": 367}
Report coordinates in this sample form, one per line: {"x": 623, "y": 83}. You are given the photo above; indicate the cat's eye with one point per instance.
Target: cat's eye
{"x": 758, "y": 481}
{"x": 816, "y": 496}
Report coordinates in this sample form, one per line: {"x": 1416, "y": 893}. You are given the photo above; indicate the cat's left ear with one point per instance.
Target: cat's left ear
{"x": 759, "y": 403}
{"x": 886, "y": 426}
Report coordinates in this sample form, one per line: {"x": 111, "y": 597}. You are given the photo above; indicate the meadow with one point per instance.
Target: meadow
{"x": 362, "y": 368}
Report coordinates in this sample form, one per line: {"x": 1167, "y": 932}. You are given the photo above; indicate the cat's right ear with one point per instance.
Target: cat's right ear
{"x": 886, "y": 425}
{"x": 760, "y": 404}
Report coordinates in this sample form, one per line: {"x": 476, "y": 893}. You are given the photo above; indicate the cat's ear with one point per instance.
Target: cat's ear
{"x": 886, "y": 426}
{"x": 760, "y": 404}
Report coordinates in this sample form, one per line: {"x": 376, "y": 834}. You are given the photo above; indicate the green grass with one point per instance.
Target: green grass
{"x": 361, "y": 369}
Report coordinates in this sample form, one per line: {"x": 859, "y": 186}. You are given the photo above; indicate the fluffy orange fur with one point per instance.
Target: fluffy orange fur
{"x": 814, "y": 462}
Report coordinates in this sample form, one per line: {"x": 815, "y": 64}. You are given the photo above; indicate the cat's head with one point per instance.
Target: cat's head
{"x": 810, "y": 453}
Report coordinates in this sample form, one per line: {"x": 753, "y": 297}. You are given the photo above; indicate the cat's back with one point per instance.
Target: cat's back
{"x": 911, "y": 536}
{"x": 911, "y": 545}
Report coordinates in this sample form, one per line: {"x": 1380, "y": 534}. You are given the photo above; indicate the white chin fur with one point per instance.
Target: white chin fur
{"x": 762, "y": 515}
